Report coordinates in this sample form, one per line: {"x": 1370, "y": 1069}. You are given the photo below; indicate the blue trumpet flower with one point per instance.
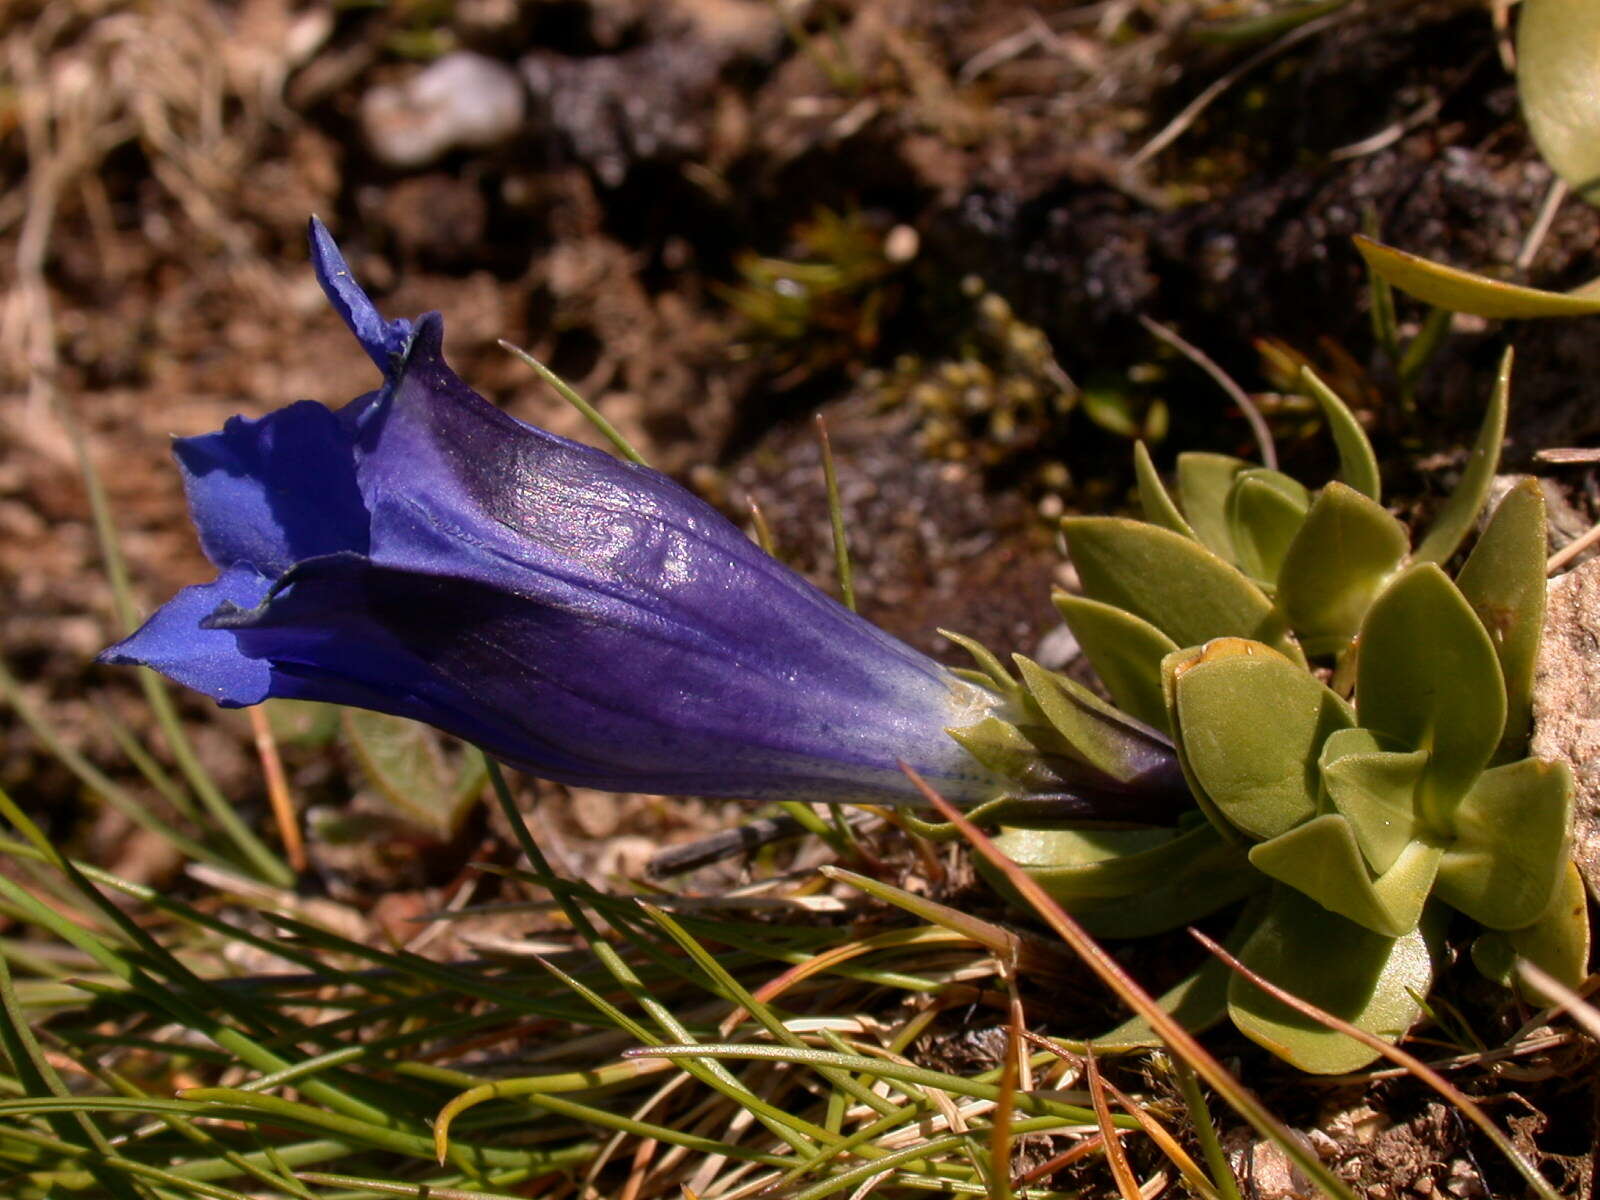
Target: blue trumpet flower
{"x": 421, "y": 553}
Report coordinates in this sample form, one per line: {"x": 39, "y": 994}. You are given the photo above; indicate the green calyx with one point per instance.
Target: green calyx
{"x": 1070, "y": 755}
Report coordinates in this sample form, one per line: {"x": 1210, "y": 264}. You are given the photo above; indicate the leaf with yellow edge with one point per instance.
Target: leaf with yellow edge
{"x": 1558, "y": 62}
{"x": 1465, "y": 292}
{"x": 1358, "y": 465}
{"x": 1158, "y": 505}
{"x": 1460, "y": 511}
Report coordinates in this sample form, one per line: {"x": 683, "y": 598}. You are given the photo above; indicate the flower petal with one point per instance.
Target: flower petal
{"x": 601, "y": 703}
{"x": 455, "y": 485}
{"x": 384, "y": 341}
{"x": 273, "y": 491}
{"x": 173, "y": 642}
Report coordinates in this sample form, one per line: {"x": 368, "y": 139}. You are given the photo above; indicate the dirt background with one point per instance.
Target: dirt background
{"x": 937, "y": 222}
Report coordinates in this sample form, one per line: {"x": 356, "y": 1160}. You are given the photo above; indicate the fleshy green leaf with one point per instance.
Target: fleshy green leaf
{"x": 1558, "y": 60}
{"x": 1463, "y": 291}
{"x": 1558, "y": 942}
{"x": 1172, "y": 668}
{"x": 1503, "y": 580}
{"x": 1125, "y": 651}
{"x": 1158, "y": 506}
{"x": 1251, "y": 724}
{"x": 1358, "y": 465}
{"x": 1091, "y": 730}
{"x": 1510, "y": 847}
{"x": 1428, "y": 679}
{"x": 1375, "y": 790}
{"x": 1265, "y": 511}
{"x": 1182, "y": 589}
{"x": 1131, "y": 883}
{"x": 1347, "y": 548}
{"x": 1369, "y": 980}
{"x": 1321, "y": 859}
{"x": 1460, "y": 511}
{"x": 409, "y": 765}
{"x": 1204, "y": 481}
{"x": 1198, "y": 1001}
{"x": 1075, "y": 865}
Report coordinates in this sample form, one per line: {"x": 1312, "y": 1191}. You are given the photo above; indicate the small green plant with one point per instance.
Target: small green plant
{"x": 1556, "y": 66}
{"x": 1002, "y": 401}
{"x": 821, "y": 309}
{"x": 1351, "y": 724}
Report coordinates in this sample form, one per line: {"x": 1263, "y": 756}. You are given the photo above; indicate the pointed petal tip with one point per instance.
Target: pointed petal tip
{"x": 382, "y": 340}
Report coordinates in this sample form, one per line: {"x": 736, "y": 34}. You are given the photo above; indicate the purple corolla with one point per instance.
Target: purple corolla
{"x": 420, "y": 552}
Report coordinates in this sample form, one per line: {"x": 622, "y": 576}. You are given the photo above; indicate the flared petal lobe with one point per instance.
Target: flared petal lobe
{"x": 421, "y": 552}
{"x": 175, "y": 642}
{"x": 274, "y": 491}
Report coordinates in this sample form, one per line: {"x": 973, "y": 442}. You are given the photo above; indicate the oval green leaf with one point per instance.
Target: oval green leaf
{"x": 1251, "y": 727}
{"x": 1428, "y": 679}
{"x": 1204, "y": 481}
{"x": 1558, "y": 61}
{"x": 1463, "y": 291}
{"x": 1347, "y": 548}
{"x": 1369, "y": 980}
{"x": 1130, "y": 883}
{"x": 1265, "y": 511}
{"x": 1184, "y": 590}
{"x": 1510, "y": 847}
{"x": 1503, "y": 580}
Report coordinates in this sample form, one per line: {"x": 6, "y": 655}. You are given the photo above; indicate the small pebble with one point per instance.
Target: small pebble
{"x": 461, "y": 100}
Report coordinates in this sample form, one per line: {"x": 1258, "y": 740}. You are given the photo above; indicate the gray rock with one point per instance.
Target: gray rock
{"x": 462, "y": 100}
{"x": 1566, "y": 702}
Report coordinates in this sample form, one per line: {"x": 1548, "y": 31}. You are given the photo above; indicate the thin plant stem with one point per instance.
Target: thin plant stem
{"x": 1252, "y": 413}
{"x": 841, "y": 544}
{"x": 590, "y": 413}
{"x": 294, "y": 846}
{"x": 1205, "y": 1130}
